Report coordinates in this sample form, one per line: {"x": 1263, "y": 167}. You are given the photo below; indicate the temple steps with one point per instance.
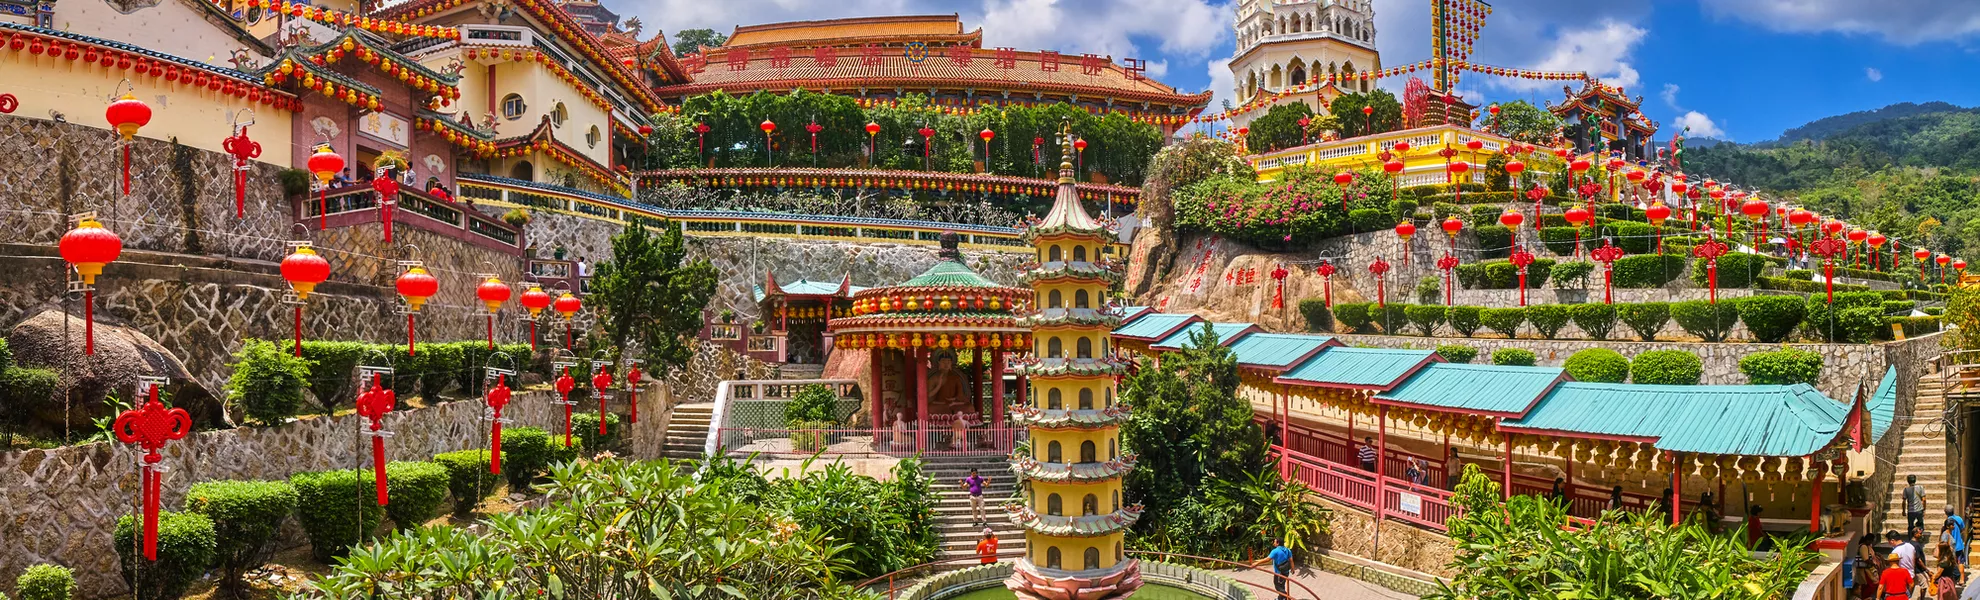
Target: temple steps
{"x": 687, "y": 431}
{"x": 1923, "y": 454}
{"x": 954, "y": 523}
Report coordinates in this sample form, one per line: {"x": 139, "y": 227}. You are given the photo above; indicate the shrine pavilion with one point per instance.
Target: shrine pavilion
{"x": 797, "y": 315}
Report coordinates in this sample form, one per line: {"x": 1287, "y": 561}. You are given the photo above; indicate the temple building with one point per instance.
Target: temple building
{"x": 1601, "y": 118}
{"x": 1283, "y": 45}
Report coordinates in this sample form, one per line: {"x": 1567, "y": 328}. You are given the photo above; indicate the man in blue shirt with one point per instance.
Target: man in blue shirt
{"x": 1954, "y": 532}
{"x": 1281, "y": 569}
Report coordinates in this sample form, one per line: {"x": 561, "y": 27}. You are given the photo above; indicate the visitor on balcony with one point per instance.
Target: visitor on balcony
{"x": 1367, "y": 454}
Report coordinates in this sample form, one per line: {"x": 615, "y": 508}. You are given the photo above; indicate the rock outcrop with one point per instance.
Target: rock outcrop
{"x": 51, "y": 339}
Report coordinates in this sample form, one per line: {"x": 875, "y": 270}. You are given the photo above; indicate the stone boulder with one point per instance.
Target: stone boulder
{"x": 52, "y": 339}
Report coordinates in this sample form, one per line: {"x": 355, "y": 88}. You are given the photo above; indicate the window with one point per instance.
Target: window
{"x": 523, "y": 171}
{"x": 1087, "y": 450}
{"x": 1298, "y": 73}
{"x": 1052, "y": 254}
{"x": 1055, "y": 348}
{"x": 1054, "y": 455}
{"x": 592, "y": 137}
{"x": 1052, "y": 558}
{"x": 1110, "y": 396}
{"x": 1053, "y": 505}
{"x": 1086, "y": 348}
{"x": 1089, "y": 506}
{"x": 513, "y": 107}
{"x": 558, "y": 115}
{"x": 1113, "y": 452}
{"x": 1054, "y": 400}
{"x": 1092, "y": 557}
{"x": 1055, "y": 300}
{"x": 1079, "y": 253}
{"x": 1086, "y": 399}
{"x": 1117, "y": 501}
{"x": 1082, "y": 300}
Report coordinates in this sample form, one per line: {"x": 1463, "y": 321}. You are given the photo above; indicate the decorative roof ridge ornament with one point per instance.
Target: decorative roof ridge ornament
{"x": 950, "y": 242}
{"x": 1065, "y": 159}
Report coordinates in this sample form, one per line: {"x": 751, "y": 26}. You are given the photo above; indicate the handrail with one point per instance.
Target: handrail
{"x": 1237, "y": 565}
{"x": 725, "y": 393}
{"x": 892, "y": 576}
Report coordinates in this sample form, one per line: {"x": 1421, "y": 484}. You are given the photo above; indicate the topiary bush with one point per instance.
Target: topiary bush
{"x": 1854, "y": 318}
{"x": 1494, "y": 241}
{"x": 1771, "y": 319}
{"x": 1644, "y": 271}
{"x": 1430, "y": 290}
{"x": 1573, "y": 274}
{"x": 1426, "y": 318}
{"x": 1736, "y": 270}
{"x": 1355, "y": 316}
{"x": 267, "y": 383}
{"x": 1365, "y": 220}
{"x": 330, "y": 367}
{"x": 585, "y": 425}
{"x": 1899, "y": 307}
{"x": 1547, "y": 319}
{"x": 1504, "y": 321}
{"x": 337, "y": 509}
{"x": 1597, "y": 365}
{"x": 1558, "y": 240}
{"x": 1463, "y": 319}
{"x": 1471, "y": 276}
{"x": 186, "y": 548}
{"x": 246, "y": 516}
{"x": 1597, "y": 320}
{"x": 1457, "y": 353}
{"x": 1707, "y": 320}
{"x": 1666, "y": 367}
{"x": 813, "y": 403}
{"x": 1801, "y": 274}
{"x": 1319, "y": 318}
{"x": 439, "y": 364}
{"x": 526, "y": 453}
{"x": 1780, "y": 367}
{"x": 46, "y": 582}
{"x": 1518, "y": 357}
{"x": 1395, "y": 318}
{"x": 468, "y": 479}
{"x": 415, "y": 491}
{"x": 1912, "y": 326}
{"x": 1645, "y": 318}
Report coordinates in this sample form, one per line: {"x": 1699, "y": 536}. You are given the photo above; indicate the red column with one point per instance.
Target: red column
{"x": 1815, "y": 509}
{"x": 1285, "y": 417}
{"x": 1505, "y": 491}
{"x": 997, "y": 389}
{"x": 1677, "y": 487}
{"x": 976, "y": 381}
{"x": 873, "y": 395}
{"x": 917, "y": 363}
{"x": 1381, "y": 457}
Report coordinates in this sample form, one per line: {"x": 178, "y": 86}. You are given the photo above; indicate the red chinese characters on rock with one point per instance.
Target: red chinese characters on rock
{"x": 150, "y": 427}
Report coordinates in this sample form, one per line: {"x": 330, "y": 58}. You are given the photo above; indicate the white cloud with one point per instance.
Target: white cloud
{"x": 1873, "y": 74}
{"x": 1223, "y": 88}
{"x": 1157, "y": 69}
{"x": 1670, "y": 96}
{"x": 1602, "y": 51}
{"x": 1700, "y": 126}
{"x": 1904, "y": 22}
{"x": 1184, "y": 27}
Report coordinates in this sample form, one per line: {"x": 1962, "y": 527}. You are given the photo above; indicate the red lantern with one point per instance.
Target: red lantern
{"x": 701, "y": 138}
{"x": 325, "y": 165}
{"x": 492, "y": 293}
{"x": 1402, "y": 147}
{"x": 1515, "y": 167}
{"x": 126, "y": 115}
{"x": 1452, "y": 225}
{"x": 1798, "y": 217}
{"x": 632, "y": 392}
{"x": 89, "y": 247}
{"x": 1475, "y": 145}
{"x": 1755, "y": 209}
{"x": 497, "y": 399}
{"x": 568, "y": 305}
{"x": 150, "y": 427}
{"x": 646, "y": 130}
{"x": 1832, "y": 227}
{"x": 303, "y": 269}
{"x": 242, "y": 149}
{"x": 1511, "y": 219}
{"x": 373, "y": 404}
{"x": 1405, "y": 230}
{"x": 415, "y": 286}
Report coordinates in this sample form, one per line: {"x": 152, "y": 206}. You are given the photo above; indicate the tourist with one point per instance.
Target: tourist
{"x": 1416, "y": 472}
{"x": 1953, "y": 533}
{"x": 583, "y": 267}
{"x": 1367, "y": 454}
{"x": 1914, "y": 503}
{"x": 1895, "y": 583}
{"x": 1916, "y": 541}
{"x": 1867, "y": 564}
{"x": 959, "y": 431}
{"x": 1754, "y": 532}
{"x": 1951, "y": 574}
{"x": 1281, "y": 569}
{"x": 974, "y": 483}
{"x": 986, "y": 549}
{"x": 1558, "y": 495}
{"x": 1615, "y": 498}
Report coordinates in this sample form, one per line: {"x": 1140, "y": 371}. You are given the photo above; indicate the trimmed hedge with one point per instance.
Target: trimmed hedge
{"x": 415, "y": 492}
{"x": 1736, "y": 270}
{"x": 1426, "y": 318}
{"x": 1494, "y": 241}
{"x": 468, "y": 479}
{"x": 1558, "y": 240}
{"x": 1784, "y": 366}
{"x": 1547, "y": 319}
{"x": 1854, "y": 317}
{"x": 46, "y": 582}
{"x": 1666, "y": 367}
{"x": 1356, "y": 316}
{"x": 267, "y": 382}
{"x": 1318, "y": 317}
{"x": 1395, "y": 317}
{"x": 186, "y": 547}
{"x": 1771, "y": 319}
{"x": 1643, "y": 271}
{"x": 1430, "y": 290}
{"x": 1900, "y": 308}
{"x": 1806, "y": 287}
{"x": 1514, "y": 356}
{"x": 1572, "y": 274}
{"x": 1597, "y": 320}
{"x": 1801, "y": 274}
{"x": 1597, "y": 365}
{"x": 1463, "y": 319}
{"x": 1504, "y": 321}
{"x": 1645, "y": 318}
{"x": 1364, "y": 220}
{"x": 528, "y": 452}
{"x": 246, "y": 516}
{"x": 1707, "y": 320}
{"x": 1912, "y": 326}
{"x": 1457, "y": 353}
{"x": 337, "y": 509}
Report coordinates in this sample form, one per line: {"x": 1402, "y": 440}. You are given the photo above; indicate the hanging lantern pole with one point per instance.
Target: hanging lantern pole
{"x": 373, "y": 405}
{"x": 496, "y": 399}
{"x": 1379, "y": 268}
{"x": 243, "y": 150}
{"x": 601, "y": 386}
{"x": 414, "y": 285}
{"x": 88, "y": 247}
{"x": 1326, "y": 271}
{"x": 1828, "y": 247}
{"x": 150, "y": 426}
{"x": 387, "y": 187}
{"x": 1608, "y": 254}
{"x": 126, "y": 114}
{"x": 1711, "y": 250}
{"x": 304, "y": 269}
{"x": 492, "y": 293}
{"x": 633, "y": 376}
{"x": 564, "y": 386}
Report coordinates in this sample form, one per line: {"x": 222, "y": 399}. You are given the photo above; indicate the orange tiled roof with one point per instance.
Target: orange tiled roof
{"x": 828, "y": 30}
{"x": 982, "y": 73}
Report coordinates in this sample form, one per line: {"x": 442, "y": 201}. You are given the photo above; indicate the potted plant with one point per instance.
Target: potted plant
{"x": 517, "y": 217}
{"x": 728, "y": 316}
{"x": 757, "y": 326}
{"x": 559, "y": 252}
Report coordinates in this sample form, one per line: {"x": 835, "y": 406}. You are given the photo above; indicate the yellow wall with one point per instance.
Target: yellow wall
{"x": 1422, "y": 164}
{"x": 1069, "y": 441}
{"x": 541, "y": 92}
{"x": 195, "y": 116}
{"x": 1068, "y": 389}
{"x": 174, "y": 27}
{"x": 1072, "y": 550}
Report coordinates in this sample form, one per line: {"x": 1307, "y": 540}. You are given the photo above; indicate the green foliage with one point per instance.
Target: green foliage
{"x": 468, "y": 479}
{"x": 527, "y": 452}
{"x": 1387, "y": 116}
{"x": 1935, "y": 310}
{"x": 1355, "y": 315}
{"x": 1547, "y": 319}
{"x": 1648, "y": 270}
{"x": 1572, "y": 274}
{"x": 267, "y": 383}
{"x": 1318, "y": 318}
{"x": 813, "y": 403}
{"x": 246, "y": 515}
{"x": 1594, "y": 319}
{"x": 1736, "y": 270}
{"x": 1854, "y": 318}
{"x": 1666, "y": 367}
{"x": 1494, "y": 241}
{"x": 1364, "y": 220}
{"x": 1558, "y": 240}
{"x": 416, "y": 491}
{"x": 1597, "y": 365}
{"x": 1645, "y": 318}
{"x": 1505, "y": 321}
{"x": 1426, "y": 318}
{"x": 1302, "y": 207}
{"x": 1430, "y": 290}
{"x": 22, "y": 388}
{"x": 337, "y": 509}
{"x": 186, "y": 548}
{"x": 1471, "y": 276}
{"x": 330, "y": 367}
{"x": 1779, "y": 367}
{"x": 1395, "y": 317}
{"x": 1801, "y": 274}
{"x": 1503, "y": 275}
{"x": 1899, "y": 307}
{"x": 45, "y": 582}
{"x": 650, "y": 293}
{"x": 884, "y": 526}
{"x": 1457, "y": 353}
{"x": 439, "y": 364}
{"x": 1912, "y": 326}
{"x": 1707, "y": 320}
{"x": 1279, "y": 128}
{"x": 294, "y": 182}
{"x": 1805, "y": 287}
{"x": 1524, "y": 122}
{"x": 584, "y": 426}
{"x": 1400, "y": 210}
{"x": 690, "y": 41}
{"x": 1464, "y": 319}
{"x": 1518, "y": 357}
{"x": 6, "y": 355}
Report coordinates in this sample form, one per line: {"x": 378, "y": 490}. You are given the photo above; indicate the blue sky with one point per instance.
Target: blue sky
{"x": 1737, "y": 69}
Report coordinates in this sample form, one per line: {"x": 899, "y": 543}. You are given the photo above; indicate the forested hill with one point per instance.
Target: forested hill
{"x": 1822, "y": 128}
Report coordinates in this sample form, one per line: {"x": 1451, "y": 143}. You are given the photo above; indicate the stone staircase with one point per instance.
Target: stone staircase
{"x": 1923, "y": 454}
{"x": 957, "y": 527}
{"x": 687, "y": 431}
{"x": 800, "y": 371}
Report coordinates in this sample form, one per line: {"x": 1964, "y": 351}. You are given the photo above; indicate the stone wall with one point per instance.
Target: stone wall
{"x": 64, "y": 503}
{"x": 1355, "y": 532}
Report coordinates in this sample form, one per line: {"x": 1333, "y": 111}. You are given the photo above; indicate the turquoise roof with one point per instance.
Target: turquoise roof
{"x": 1153, "y": 326}
{"x": 950, "y": 273}
{"x": 1494, "y": 389}
{"x": 1224, "y": 331}
{"x": 1751, "y": 420}
{"x": 1882, "y": 406}
{"x": 1359, "y": 367}
{"x": 806, "y": 287}
{"x": 1277, "y": 350}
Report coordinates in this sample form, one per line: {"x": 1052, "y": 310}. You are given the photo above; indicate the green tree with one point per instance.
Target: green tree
{"x": 649, "y": 293}
{"x": 1387, "y": 116}
{"x": 690, "y": 41}
{"x": 1522, "y": 121}
{"x": 1279, "y": 128}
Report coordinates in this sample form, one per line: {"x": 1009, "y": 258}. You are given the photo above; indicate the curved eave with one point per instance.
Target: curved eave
{"x": 1188, "y": 104}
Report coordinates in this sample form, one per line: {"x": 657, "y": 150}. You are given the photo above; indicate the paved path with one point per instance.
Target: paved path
{"x": 1329, "y": 585}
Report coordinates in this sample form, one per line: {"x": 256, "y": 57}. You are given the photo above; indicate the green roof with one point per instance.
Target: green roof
{"x": 1359, "y": 367}
{"x": 1179, "y": 339}
{"x": 950, "y": 273}
{"x": 1495, "y": 389}
{"x": 1882, "y": 406}
{"x": 1749, "y": 420}
{"x": 1153, "y": 326}
{"x": 808, "y": 288}
{"x": 1277, "y": 350}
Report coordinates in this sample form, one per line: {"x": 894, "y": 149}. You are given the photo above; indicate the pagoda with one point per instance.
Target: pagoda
{"x": 1073, "y": 516}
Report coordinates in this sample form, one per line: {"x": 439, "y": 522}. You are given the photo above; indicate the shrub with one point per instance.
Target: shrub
{"x": 1912, "y": 326}
{"x": 1572, "y": 274}
{"x": 1594, "y": 319}
{"x": 814, "y": 402}
{"x": 1457, "y": 353}
{"x": 1395, "y": 317}
{"x": 526, "y": 453}
{"x": 1709, "y": 321}
{"x": 1805, "y": 287}
{"x": 1634, "y": 238}
{"x": 416, "y": 490}
{"x": 585, "y": 426}
{"x": 1854, "y": 317}
{"x": 1430, "y": 290}
{"x": 1666, "y": 367}
{"x": 1369, "y": 219}
{"x": 46, "y": 582}
{"x": 1801, "y": 274}
{"x": 1736, "y": 270}
{"x": 1771, "y": 319}
{"x": 1899, "y": 307}
{"x": 1558, "y": 240}
{"x": 1518, "y": 357}
{"x": 1494, "y": 241}
{"x": 1598, "y": 365}
{"x": 1547, "y": 319}
{"x": 1483, "y": 216}
{"x": 1355, "y": 315}
{"x": 186, "y": 545}
{"x": 1471, "y": 276}
{"x": 1463, "y": 319}
{"x": 22, "y": 387}
{"x": 1318, "y": 317}
{"x": 439, "y": 364}
{"x": 246, "y": 516}
{"x": 330, "y": 366}
{"x": 267, "y": 383}
{"x": 337, "y": 509}
{"x": 1935, "y": 310}
{"x": 1505, "y": 321}
{"x": 468, "y": 479}
{"x": 1780, "y": 367}
{"x": 294, "y": 181}
{"x": 1426, "y": 317}
{"x": 1646, "y": 318}
{"x": 1401, "y": 209}
{"x": 1647, "y": 270}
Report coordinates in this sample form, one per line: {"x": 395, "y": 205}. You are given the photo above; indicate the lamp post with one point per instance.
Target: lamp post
{"x": 1379, "y": 268}
{"x": 1657, "y": 213}
{"x": 1326, "y": 271}
{"x": 1828, "y": 247}
{"x": 1511, "y": 219}
{"x": 1608, "y": 254}
{"x": 1711, "y": 250}
{"x": 1404, "y": 231}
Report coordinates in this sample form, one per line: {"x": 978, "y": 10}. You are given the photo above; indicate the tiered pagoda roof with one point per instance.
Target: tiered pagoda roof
{"x": 949, "y": 296}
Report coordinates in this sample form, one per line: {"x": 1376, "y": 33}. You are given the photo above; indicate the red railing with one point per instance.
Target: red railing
{"x": 1426, "y": 506}
{"x": 1348, "y": 485}
{"x": 933, "y": 441}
